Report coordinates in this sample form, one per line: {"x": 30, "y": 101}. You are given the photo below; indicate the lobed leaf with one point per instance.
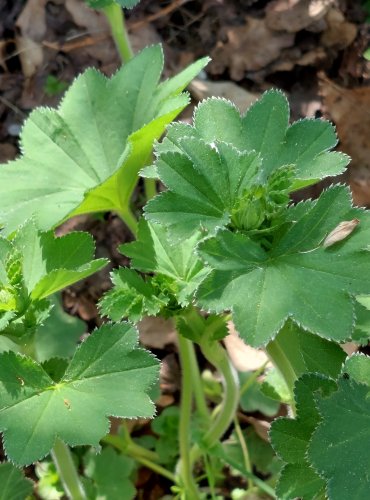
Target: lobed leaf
{"x": 110, "y": 474}
{"x": 290, "y": 439}
{"x": 131, "y": 297}
{"x": 85, "y": 156}
{"x": 13, "y": 484}
{"x": 344, "y": 431}
{"x": 34, "y": 265}
{"x": 207, "y": 167}
{"x": 154, "y": 252}
{"x": 297, "y": 278}
{"x": 107, "y": 376}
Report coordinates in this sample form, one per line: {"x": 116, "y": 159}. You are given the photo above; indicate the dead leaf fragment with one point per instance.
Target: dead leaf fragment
{"x": 31, "y": 24}
{"x": 201, "y": 89}
{"x": 339, "y": 32}
{"x": 157, "y": 332}
{"x": 243, "y": 357}
{"x": 350, "y": 111}
{"x": 295, "y": 15}
{"x": 341, "y": 232}
{"x": 249, "y": 47}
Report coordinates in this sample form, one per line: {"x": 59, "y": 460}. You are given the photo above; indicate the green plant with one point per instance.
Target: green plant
{"x": 224, "y": 240}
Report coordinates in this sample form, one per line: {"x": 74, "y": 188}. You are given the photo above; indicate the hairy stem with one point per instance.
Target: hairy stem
{"x": 116, "y": 19}
{"x": 185, "y": 467}
{"x": 63, "y": 461}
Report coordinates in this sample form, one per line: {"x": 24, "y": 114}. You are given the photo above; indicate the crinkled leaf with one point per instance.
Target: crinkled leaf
{"x": 59, "y": 334}
{"x": 199, "y": 164}
{"x": 154, "y": 252}
{"x": 131, "y": 297}
{"x": 290, "y": 437}
{"x": 300, "y": 481}
{"x": 344, "y": 431}
{"x": 204, "y": 183}
{"x": 35, "y": 265}
{"x": 110, "y": 473}
{"x": 297, "y": 278}
{"x": 108, "y": 375}
{"x": 13, "y": 484}
{"x": 50, "y": 264}
{"x": 85, "y": 156}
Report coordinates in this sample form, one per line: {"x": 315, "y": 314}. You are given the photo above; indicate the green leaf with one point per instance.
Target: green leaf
{"x": 36, "y": 265}
{"x": 131, "y": 297}
{"x": 290, "y": 439}
{"x": 13, "y": 484}
{"x": 59, "y": 334}
{"x": 298, "y": 278}
{"x": 275, "y": 387}
{"x": 344, "y": 431}
{"x": 50, "y": 264}
{"x": 110, "y": 473}
{"x": 48, "y": 486}
{"x": 207, "y": 166}
{"x": 154, "y": 252}
{"x": 85, "y": 156}
{"x": 253, "y": 399}
{"x": 309, "y": 353}
{"x": 108, "y": 375}
{"x": 166, "y": 425}
{"x": 300, "y": 481}
{"x": 203, "y": 186}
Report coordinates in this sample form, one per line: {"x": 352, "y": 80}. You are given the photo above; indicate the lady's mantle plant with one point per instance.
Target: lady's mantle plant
{"x": 222, "y": 238}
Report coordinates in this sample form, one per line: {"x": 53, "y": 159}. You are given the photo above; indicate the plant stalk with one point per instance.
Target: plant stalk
{"x": 150, "y": 188}
{"x": 185, "y": 471}
{"x": 217, "y": 355}
{"x": 63, "y": 461}
{"x": 129, "y": 219}
{"x": 276, "y": 353}
{"x": 116, "y": 19}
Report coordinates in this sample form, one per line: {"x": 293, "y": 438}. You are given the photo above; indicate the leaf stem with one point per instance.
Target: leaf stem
{"x": 244, "y": 448}
{"x": 129, "y": 219}
{"x": 217, "y": 355}
{"x": 156, "y": 468}
{"x": 185, "y": 467}
{"x": 116, "y": 19}
{"x": 199, "y": 397}
{"x": 281, "y": 361}
{"x": 63, "y": 461}
{"x": 150, "y": 188}
{"x": 146, "y": 457}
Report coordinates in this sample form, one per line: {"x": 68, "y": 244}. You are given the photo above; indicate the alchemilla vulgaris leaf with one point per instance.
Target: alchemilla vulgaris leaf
{"x": 13, "y": 484}
{"x": 296, "y": 277}
{"x": 210, "y": 166}
{"x": 85, "y": 156}
{"x": 109, "y": 375}
{"x": 290, "y": 439}
{"x": 35, "y": 265}
{"x": 339, "y": 449}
